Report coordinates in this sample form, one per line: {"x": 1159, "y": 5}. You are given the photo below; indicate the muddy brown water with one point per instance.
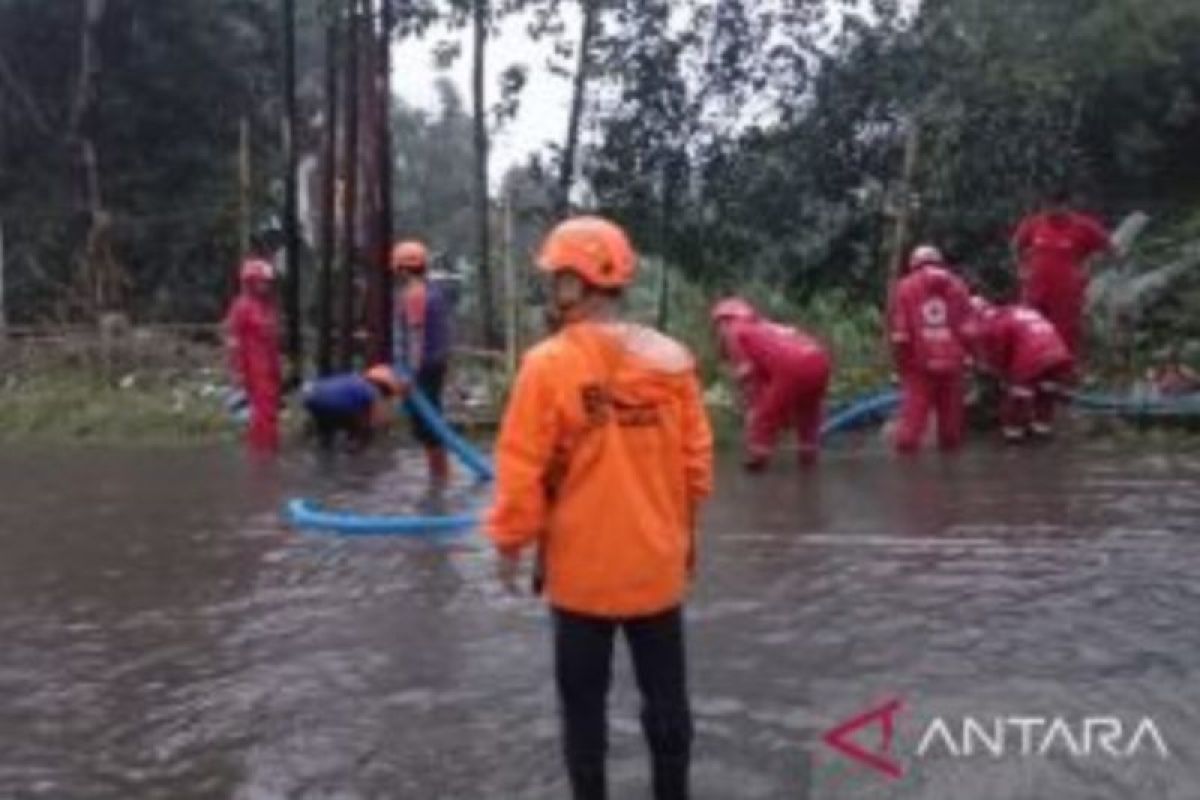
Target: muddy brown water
{"x": 163, "y": 635}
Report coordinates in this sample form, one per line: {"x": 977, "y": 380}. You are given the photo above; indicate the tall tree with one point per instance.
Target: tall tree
{"x": 589, "y": 24}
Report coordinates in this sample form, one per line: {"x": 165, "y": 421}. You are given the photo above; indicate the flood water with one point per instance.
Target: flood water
{"x": 163, "y": 635}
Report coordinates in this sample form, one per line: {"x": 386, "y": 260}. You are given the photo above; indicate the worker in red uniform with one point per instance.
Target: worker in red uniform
{"x": 927, "y": 314}
{"x": 783, "y": 375}
{"x": 1019, "y": 346}
{"x": 423, "y": 317}
{"x": 1052, "y": 249}
{"x": 252, "y": 338}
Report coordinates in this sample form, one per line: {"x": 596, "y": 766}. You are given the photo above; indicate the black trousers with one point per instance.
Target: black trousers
{"x": 431, "y": 380}
{"x": 583, "y": 650}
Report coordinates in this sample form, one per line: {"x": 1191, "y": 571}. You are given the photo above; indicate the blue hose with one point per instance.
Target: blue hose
{"x": 307, "y": 515}
{"x": 420, "y": 405}
{"x": 860, "y": 412}
{"x": 1188, "y": 404}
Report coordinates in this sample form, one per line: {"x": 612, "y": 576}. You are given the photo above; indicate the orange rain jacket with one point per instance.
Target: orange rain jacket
{"x": 604, "y": 454}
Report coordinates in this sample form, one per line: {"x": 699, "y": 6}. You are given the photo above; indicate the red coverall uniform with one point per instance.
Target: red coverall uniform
{"x": 785, "y": 375}
{"x": 926, "y": 316}
{"x": 1053, "y": 248}
{"x": 1025, "y": 350}
{"x": 252, "y": 326}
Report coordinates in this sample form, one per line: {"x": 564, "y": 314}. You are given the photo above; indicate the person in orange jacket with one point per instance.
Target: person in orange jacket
{"x": 423, "y": 341}
{"x": 1052, "y": 248}
{"x": 783, "y": 374}
{"x": 1025, "y": 351}
{"x": 927, "y": 314}
{"x": 252, "y": 339}
{"x": 603, "y": 458}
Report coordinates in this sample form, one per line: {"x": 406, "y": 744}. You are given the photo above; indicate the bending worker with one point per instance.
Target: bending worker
{"x": 1020, "y": 347}
{"x": 604, "y": 457}
{"x": 927, "y": 311}
{"x": 423, "y": 317}
{"x": 783, "y": 375}
{"x": 353, "y": 405}
{"x": 252, "y": 340}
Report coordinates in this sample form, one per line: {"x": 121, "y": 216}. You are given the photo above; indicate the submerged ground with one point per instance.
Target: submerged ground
{"x": 164, "y": 636}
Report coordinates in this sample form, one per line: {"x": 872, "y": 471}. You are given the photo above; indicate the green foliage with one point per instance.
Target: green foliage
{"x": 70, "y": 405}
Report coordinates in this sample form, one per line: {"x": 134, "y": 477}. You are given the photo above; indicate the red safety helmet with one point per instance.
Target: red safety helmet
{"x": 256, "y": 270}
{"x": 924, "y": 255}
{"x": 732, "y": 308}
{"x": 383, "y": 376}
{"x": 595, "y": 249}
{"x": 410, "y": 256}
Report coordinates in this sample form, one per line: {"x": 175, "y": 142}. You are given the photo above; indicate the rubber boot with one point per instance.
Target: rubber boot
{"x": 755, "y": 461}
{"x": 439, "y": 464}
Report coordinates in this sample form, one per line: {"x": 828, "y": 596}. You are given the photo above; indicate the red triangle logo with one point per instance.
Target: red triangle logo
{"x": 840, "y": 739}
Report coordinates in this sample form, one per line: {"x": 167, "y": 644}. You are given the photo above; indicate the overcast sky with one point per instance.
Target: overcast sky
{"x": 545, "y": 100}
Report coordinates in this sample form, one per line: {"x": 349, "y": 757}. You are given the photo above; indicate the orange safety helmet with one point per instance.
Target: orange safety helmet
{"x": 925, "y": 254}
{"x": 256, "y": 270}
{"x": 732, "y": 308}
{"x": 410, "y": 256}
{"x": 593, "y": 248}
{"x": 385, "y": 378}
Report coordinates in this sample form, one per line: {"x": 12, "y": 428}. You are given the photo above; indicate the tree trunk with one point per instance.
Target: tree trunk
{"x": 350, "y": 188}
{"x": 382, "y": 350}
{"x": 291, "y": 240}
{"x": 482, "y": 217}
{"x": 101, "y": 276}
{"x": 328, "y": 203}
{"x": 566, "y": 175}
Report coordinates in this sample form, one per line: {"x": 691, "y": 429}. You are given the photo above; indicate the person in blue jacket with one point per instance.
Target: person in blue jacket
{"x": 353, "y": 405}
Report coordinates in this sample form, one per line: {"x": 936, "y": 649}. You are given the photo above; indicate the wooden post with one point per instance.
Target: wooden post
{"x": 244, "y": 187}
{"x": 291, "y": 240}
{"x": 329, "y": 173}
{"x": 350, "y": 189}
{"x": 900, "y": 234}
{"x": 3, "y": 315}
{"x": 483, "y": 221}
{"x": 383, "y": 344}
{"x": 512, "y": 293}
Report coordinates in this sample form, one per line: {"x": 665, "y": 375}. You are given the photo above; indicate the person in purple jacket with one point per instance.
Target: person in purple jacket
{"x": 352, "y": 404}
{"x": 423, "y": 325}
